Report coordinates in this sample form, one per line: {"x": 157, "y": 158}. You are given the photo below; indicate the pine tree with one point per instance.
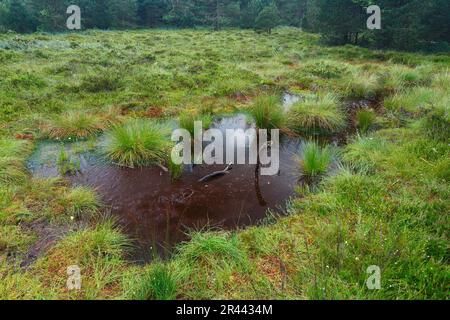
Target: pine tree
{"x": 268, "y": 18}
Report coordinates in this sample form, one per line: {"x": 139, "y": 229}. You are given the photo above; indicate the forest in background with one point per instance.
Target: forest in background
{"x": 406, "y": 24}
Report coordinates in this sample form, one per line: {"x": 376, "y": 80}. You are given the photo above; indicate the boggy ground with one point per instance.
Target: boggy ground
{"x": 386, "y": 206}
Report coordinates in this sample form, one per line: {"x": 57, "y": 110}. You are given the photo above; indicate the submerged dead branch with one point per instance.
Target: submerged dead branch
{"x": 216, "y": 173}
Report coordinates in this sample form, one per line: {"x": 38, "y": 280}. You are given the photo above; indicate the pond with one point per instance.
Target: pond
{"x": 156, "y": 211}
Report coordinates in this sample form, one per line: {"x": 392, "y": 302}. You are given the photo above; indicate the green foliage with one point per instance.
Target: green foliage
{"x": 268, "y": 18}
{"x": 415, "y": 100}
{"x": 398, "y": 78}
{"x": 315, "y": 160}
{"x": 187, "y": 121}
{"x": 80, "y": 202}
{"x": 364, "y": 152}
{"x": 137, "y": 143}
{"x": 361, "y": 86}
{"x": 158, "y": 284}
{"x": 385, "y": 207}
{"x": 12, "y": 164}
{"x": 327, "y": 69}
{"x": 365, "y": 119}
{"x": 176, "y": 170}
{"x": 316, "y": 115}
{"x": 74, "y": 125}
{"x": 437, "y": 123}
{"x": 102, "y": 81}
{"x": 267, "y": 112}
{"x": 204, "y": 248}
{"x": 65, "y": 164}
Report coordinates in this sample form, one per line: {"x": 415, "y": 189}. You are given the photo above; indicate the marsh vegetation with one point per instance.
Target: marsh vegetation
{"x": 379, "y": 119}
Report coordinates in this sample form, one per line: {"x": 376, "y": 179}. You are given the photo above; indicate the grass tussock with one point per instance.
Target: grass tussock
{"x": 365, "y": 152}
{"x": 138, "y": 143}
{"x": 81, "y": 202}
{"x": 365, "y": 119}
{"x": 74, "y": 125}
{"x": 398, "y": 78}
{"x": 156, "y": 284}
{"x": 268, "y": 113}
{"x": 315, "y": 160}
{"x": 187, "y": 121}
{"x": 320, "y": 114}
{"x": 436, "y": 123}
{"x": 98, "y": 251}
{"x": 361, "y": 86}
{"x": 12, "y": 161}
{"x": 413, "y": 101}
{"x": 327, "y": 69}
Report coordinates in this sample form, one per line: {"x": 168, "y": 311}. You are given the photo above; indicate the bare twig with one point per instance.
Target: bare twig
{"x": 216, "y": 173}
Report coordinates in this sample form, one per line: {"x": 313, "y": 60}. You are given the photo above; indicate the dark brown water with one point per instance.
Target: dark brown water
{"x": 157, "y": 212}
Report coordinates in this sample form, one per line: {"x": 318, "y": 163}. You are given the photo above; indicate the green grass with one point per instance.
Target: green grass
{"x": 187, "y": 121}
{"x": 320, "y": 114}
{"x": 267, "y": 112}
{"x": 65, "y": 164}
{"x": 74, "y": 125}
{"x": 176, "y": 170}
{"x": 327, "y": 69}
{"x": 315, "y": 160}
{"x": 12, "y": 163}
{"x": 398, "y": 78}
{"x": 365, "y": 152}
{"x": 365, "y": 119}
{"x": 157, "y": 284}
{"x": 386, "y": 205}
{"x": 361, "y": 86}
{"x": 12, "y": 170}
{"x": 436, "y": 123}
{"x": 414, "y": 101}
{"x": 137, "y": 143}
{"x": 80, "y": 202}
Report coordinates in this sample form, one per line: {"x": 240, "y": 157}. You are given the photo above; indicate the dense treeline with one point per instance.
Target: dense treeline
{"x": 406, "y": 24}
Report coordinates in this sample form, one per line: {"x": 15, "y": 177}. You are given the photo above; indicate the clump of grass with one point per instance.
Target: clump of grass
{"x": 81, "y": 201}
{"x": 137, "y": 143}
{"x": 187, "y": 121}
{"x": 12, "y": 170}
{"x": 413, "y": 101}
{"x": 12, "y": 164}
{"x": 315, "y": 160}
{"x": 364, "y": 152}
{"x": 207, "y": 247}
{"x": 65, "y": 165}
{"x": 436, "y": 123}
{"x": 158, "y": 284}
{"x": 365, "y": 119}
{"x": 14, "y": 239}
{"x": 397, "y": 78}
{"x": 327, "y": 69}
{"x": 102, "y": 81}
{"x": 267, "y": 112}
{"x": 316, "y": 115}
{"x": 74, "y": 125}
{"x": 361, "y": 86}
{"x": 442, "y": 81}
{"x": 13, "y": 148}
{"x": 176, "y": 170}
